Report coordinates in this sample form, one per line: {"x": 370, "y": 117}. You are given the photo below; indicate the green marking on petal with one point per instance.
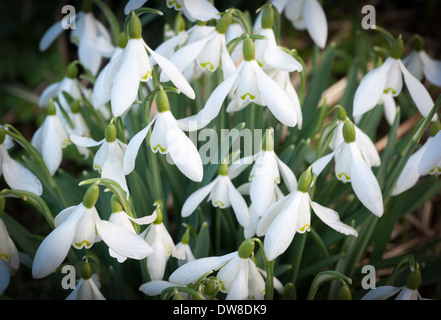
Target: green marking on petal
{"x": 147, "y": 76}
{"x": 161, "y": 149}
{"x": 219, "y": 204}
{"x": 436, "y": 170}
{"x": 210, "y": 66}
{"x": 244, "y": 97}
{"x": 174, "y": 3}
{"x": 4, "y": 256}
{"x": 306, "y": 227}
{"x": 391, "y": 90}
{"x": 97, "y": 167}
{"x": 83, "y": 243}
{"x": 344, "y": 177}
{"x": 277, "y": 180}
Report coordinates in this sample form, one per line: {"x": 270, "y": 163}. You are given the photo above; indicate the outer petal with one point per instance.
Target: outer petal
{"x": 196, "y": 198}
{"x": 200, "y": 10}
{"x": 331, "y": 218}
{"x": 381, "y": 293}
{"x": 275, "y": 98}
{"x": 50, "y": 35}
{"x": 365, "y": 184}
{"x": 193, "y": 270}
{"x": 315, "y": 20}
{"x": 113, "y": 165}
{"x": 173, "y": 73}
{"x": 371, "y": 88}
{"x": 133, "y": 147}
{"x": 432, "y": 155}
{"x": 54, "y": 248}
{"x": 414, "y": 64}
{"x": 419, "y": 93}
{"x": 287, "y": 175}
{"x": 320, "y": 164}
{"x": 271, "y": 213}
{"x": 86, "y": 290}
{"x": 239, "y": 205}
{"x": 239, "y": 288}
{"x": 133, "y": 5}
{"x": 432, "y": 69}
{"x": 155, "y": 287}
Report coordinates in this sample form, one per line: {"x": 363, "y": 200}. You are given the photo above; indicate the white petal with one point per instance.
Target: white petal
{"x": 50, "y": 35}
{"x": 238, "y": 166}
{"x": 419, "y": 93}
{"x": 123, "y": 241}
{"x": 371, "y": 88}
{"x": 344, "y": 160}
{"x": 200, "y": 10}
{"x": 17, "y": 176}
{"x": 390, "y": 107}
{"x": 316, "y": 23}
{"x": 193, "y": 270}
{"x": 381, "y": 293}
{"x": 239, "y": 288}
{"x": 196, "y": 198}
{"x": 367, "y": 147}
{"x": 365, "y": 183}
{"x": 133, "y": 148}
{"x": 173, "y": 73}
{"x": 54, "y": 248}
{"x": 239, "y": 205}
{"x": 270, "y": 214}
{"x": 155, "y": 287}
{"x": 332, "y": 219}
{"x": 414, "y": 64}
{"x": 50, "y": 92}
{"x": 394, "y": 79}
{"x": 113, "y": 165}
{"x": 133, "y": 5}
{"x": 320, "y": 164}
{"x": 185, "y": 155}
{"x": 84, "y": 141}
{"x": 288, "y": 176}
{"x": 432, "y": 155}
{"x": 432, "y": 69}
{"x": 275, "y": 98}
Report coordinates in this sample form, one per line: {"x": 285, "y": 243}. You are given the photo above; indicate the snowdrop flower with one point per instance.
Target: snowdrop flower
{"x": 421, "y": 65}
{"x": 205, "y": 54}
{"x": 430, "y": 162}
{"x": 16, "y": 175}
{"x": 184, "y": 250}
{"x": 353, "y": 164}
{"x": 121, "y": 218}
{"x": 90, "y": 35}
{"x": 268, "y": 53}
{"x": 306, "y": 14}
{"x": 157, "y": 236}
{"x": 292, "y": 214}
{"x": 249, "y": 83}
{"x": 87, "y": 287}
{"x": 238, "y": 274}
{"x": 167, "y": 138}
{"x": 406, "y": 292}
{"x": 68, "y": 84}
{"x": 411, "y": 171}
{"x": 50, "y": 139}
{"x": 133, "y": 66}
{"x": 80, "y": 226}
{"x": 108, "y": 160}
{"x": 222, "y": 193}
{"x": 194, "y": 10}
{"x": 389, "y": 78}
{"x": 9, "y": 259}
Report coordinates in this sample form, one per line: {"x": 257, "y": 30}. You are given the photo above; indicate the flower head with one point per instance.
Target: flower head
{"x": 9, "y": 259}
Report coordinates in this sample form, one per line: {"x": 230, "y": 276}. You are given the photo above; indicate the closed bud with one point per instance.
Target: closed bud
{"x": 345, "y": 292}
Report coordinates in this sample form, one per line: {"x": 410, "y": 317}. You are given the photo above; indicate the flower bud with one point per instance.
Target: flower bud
{"x": 268, "y": 17}
{"x": 305, "y": 181}
{"x": 349, "y": 132}
{"x": 162, "y": 102}
{"x": 222, "y": 169}
{"x": 91, "y": 196}
{"x": 246, "y": 248}
{"x": 413, "y": 279}
{"x": 345, "y": 292}
{"x": 249, "y": 51}
{"x": 86, "y": 270}
{"x": 397, "y": 48}
{"x": 135, "y": 27}
{"x": 110, "y": 133}
{"x": 115, "y": 204}
{"x": 224, "y": 22}
{"x": 268, "y": 140}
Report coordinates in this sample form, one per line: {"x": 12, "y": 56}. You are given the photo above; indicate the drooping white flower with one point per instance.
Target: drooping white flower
{"x": 167, "y": 138}
{"x": 421, "y": 65}
{"x": 389, "y": 78}
{"x": 80, "y": 226}
{"x": 248, "y": 83}
{"x": 50, "y": 139}
{"x": 16, "y": 175}
{"x": 121, "y": 218}
{"x": 306, "y": 14}
{"x": 158, "y": 237}
{"x": 430, "y": 162}
{"x": 90, "y": 35}
{"x": 281, "y": 221}
{"x": 9, "y": 258}
{"x": 183, "y": 249}
{"x": 238, "y": 274}
{"x": 193, "y": 10}
{"x": 222, "y": 193}
{"x": 353, "y": 164}
{"x": 133, "y": 66}
{"x": 87, "y": 288}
